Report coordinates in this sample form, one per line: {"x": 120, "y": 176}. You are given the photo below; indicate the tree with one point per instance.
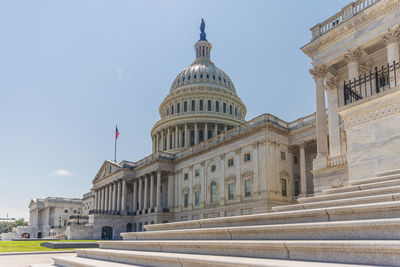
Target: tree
{"x": 6, "y": 227}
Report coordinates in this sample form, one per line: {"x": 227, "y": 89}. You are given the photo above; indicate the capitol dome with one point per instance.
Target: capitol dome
{"x": 202, "y": 103}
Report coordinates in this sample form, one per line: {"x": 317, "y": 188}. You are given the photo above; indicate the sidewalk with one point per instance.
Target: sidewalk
{"x": 24, "y": 259}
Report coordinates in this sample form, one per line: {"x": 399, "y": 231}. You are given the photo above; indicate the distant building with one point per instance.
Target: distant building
{"x": 7, "y": 220}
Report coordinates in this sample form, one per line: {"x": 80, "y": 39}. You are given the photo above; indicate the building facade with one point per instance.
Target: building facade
{"x": 206, "y": 160}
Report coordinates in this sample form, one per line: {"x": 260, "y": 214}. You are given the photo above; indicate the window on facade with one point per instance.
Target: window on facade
{"x": 188, "y": 77}
{"x": 217, "y": 106}
{"x": 209, "y": 134}
{"x": 235, "y": 111}
{"x": 172, "y": 110}
{"x": 213, "y": 168}
{"x": 197, "y": 173}
{"x": 214, "y": 77}
{"x": 192, "y": 138}
{"x": 230, "y": 191}
{"x": 209, "y": 105}
{"x": 65, "y": 211}
{"x": 186, "y": 176}
{"x": 213, "y": 191}
{"x": 201, "y": 105}
{"x": 196, "y": 198}
{"x": 185, "y": 106}
{"x": 230, "y": 109}
{"x": 193, "y": 105}
{"x": 284, "y": 187}
{"x": 201, "y": 75}
{"x": 208, "y": 76}
{"x": 295, "y": 160}
{"x": 230, "y": 162}
{"x": 283, "y": 156}
{"x": 247, "y": 188}
{"x": 178, "y": 108}
{"x": 296, "y": 188}
{"x": 219, "y": 78}
{"x": 185, "y": 200}
{"x": 246, "y": 157}
{"x": 201, "y": 136}
{"x": 224, "y": 107}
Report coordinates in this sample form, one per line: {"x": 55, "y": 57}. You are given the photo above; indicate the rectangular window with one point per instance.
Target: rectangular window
{"x": 295, "y": 160}
{"x": 178, "y": 108}
{"x": 230, "y": 191}
{"x": 186, "y": 176}
{"x": 197, "y": 173}
{"x": 193, "y": 105}
{"x": 209, "y": 134}
{"x": 230, "y": 109}
{"x": 247, "y": 188}
{"x": 209, "y": 105}
{"x": 284, "y": 188}
{"x": 217, "y": 106}
{"x": 296, "y": 188}
{"x": 247, "y": 157}
{"x": 224, "y": 107}
{"x": 197, "y": 198}
{"x": 230, "y": 162}
{"x": 201, "y": 105}
{"x": 283, "y": 156}
{"x": 185, "y": 200}
{"x": 184, "y": 106}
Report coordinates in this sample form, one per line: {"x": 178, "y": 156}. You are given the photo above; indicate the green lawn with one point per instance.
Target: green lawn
{"x": 21, "y": 246}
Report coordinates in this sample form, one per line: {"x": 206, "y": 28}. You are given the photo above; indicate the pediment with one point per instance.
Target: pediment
{"x": 106, "y": 169}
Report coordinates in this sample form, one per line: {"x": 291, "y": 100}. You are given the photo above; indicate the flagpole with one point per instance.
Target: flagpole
{"x": 115, "y": 145}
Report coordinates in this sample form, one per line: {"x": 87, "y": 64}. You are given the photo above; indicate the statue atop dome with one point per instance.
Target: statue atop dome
{"x": 202, "y": 33}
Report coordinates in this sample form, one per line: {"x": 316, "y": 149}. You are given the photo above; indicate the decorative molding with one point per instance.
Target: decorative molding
{"x": 373, "y": 115}
{"x": 319, "y": 72}
{"x": 332, "y": 83}
{"x": 353, "y": 55}
{"x": 365, "y": 66}
{"x": 392, "y": 35}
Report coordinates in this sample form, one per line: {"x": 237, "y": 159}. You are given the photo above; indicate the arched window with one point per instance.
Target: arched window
{"x": 217, "y": 106}
{"x": 193, "y": 105}
{"x": 201, "y": 105}
{"x": 185, "y": 106}
{"x": 178, "y": 108}
{"x": 224, "y": 107}
{"x": 209, "y": 105}
{"x": 213, "y": 191}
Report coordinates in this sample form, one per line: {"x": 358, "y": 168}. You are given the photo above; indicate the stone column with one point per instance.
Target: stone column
{"x": 106, "y": 199}
{"x": 303, "y": 174}
{"x": 170, "y": 191}
{"x": 187, "y": 134}
{"x": 162, "y": 141}
{"x": 119, "y": 196}
{"x": 238, "y": 161}
{"x": 102, "y": 206}
{"x": 158, "y": 189}
{"x": 140, "y": 193}
{"x": 157, "y": 142}
{"x": 123, "y": 201}
{"x": 176, "y": 144}
{"x": 196, "y": 134}
{"x": 110, "y": 197}
{"x": 154, "y": 144}
{"x": 96, "y": 199}
{"x": 114, "y": 197}
{"x": 151, "y": 192}
{"x": 333, "y": 117}
{"x": 225, "y": 128}
{"x": 135, "y": 196}
{"x": 168, "y": 139}
{"x": 318, "y": 74}
{"x": 179, "y": 138}
{"x": 353, "y": 56}
{"x": 215, "y": 130}
{"x": 205, "y": 133}
{"x": 391, "y": 38}
{"x": 146, "y": 194}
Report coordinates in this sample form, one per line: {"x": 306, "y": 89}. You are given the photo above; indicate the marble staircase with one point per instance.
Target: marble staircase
{"x": 358, "y": 224}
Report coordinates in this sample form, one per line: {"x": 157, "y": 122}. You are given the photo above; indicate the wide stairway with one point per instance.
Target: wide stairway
{"x": 355, "y": 224}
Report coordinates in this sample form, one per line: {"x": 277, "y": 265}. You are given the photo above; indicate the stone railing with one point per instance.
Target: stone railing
{"x": 346, "y": 13}
{"x": 154, "y": 156}
{"x": 336, "y": 161}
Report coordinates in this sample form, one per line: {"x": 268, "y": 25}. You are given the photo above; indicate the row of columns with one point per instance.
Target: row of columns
{"x": 180, "y": 136}
{"x": 111, "y": 198}
{"x": 143, "y": 193}
{"x": 352, "y": 56}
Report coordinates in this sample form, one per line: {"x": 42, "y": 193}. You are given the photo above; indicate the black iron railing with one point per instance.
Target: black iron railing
{"x": 371, "y": 83}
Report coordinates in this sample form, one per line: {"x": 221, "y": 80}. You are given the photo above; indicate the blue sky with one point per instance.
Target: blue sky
{"x": 70, "y": 70}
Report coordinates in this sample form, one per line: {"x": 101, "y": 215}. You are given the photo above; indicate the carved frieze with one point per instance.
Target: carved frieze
{"x": 353, "y": 55}
{"x": 392, "y": 35}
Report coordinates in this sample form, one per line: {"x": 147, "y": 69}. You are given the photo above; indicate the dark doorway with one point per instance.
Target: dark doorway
{"x": 129, "y": 227}
{"x": 39, "y": 235}
{"x": 106, "y": 233}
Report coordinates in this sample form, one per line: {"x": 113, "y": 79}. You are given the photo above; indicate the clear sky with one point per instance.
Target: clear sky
{"x": 70, "y": 70}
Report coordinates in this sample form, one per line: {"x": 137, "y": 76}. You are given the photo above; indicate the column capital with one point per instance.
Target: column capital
{"x": 365, "y": 66}
{"x": 392, "y": 35}
{"x": 353, "y": 55}
{"x": 332, "y": 83}
{"x": 319, "y": 72}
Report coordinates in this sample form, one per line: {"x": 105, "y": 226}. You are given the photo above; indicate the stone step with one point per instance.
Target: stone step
{"x": 375, "y": 179}
{"x": 346, "y": 195}
{"x": 157, "y": 259}
{"x": 367, "y": 186}
{"x": 380, "y": 229}
{"x": 342, "y": 213}
{"x": 339, "y": 202}
{"x": 340, "y": 251}
{"x": 389, "y": 172}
